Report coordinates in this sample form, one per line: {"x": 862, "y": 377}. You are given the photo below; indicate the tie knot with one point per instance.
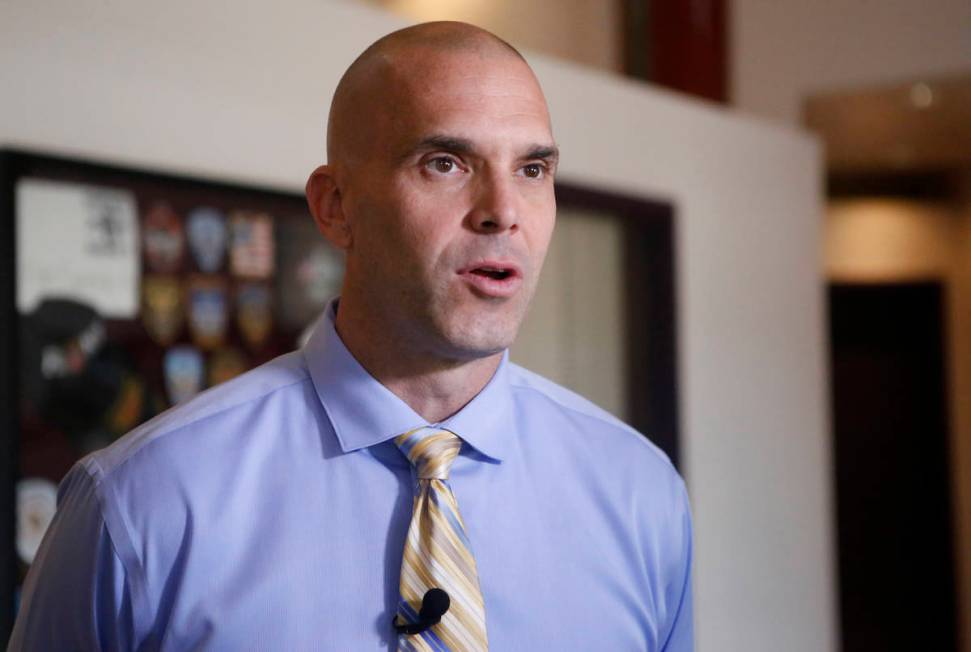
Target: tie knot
{"x": 431, "y": 451}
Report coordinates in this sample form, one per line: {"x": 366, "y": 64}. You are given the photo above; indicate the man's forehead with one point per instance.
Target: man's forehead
{"x": 461, "y": 124}
{"x": 422, "y": 68}
{"x": 443, "y": 79}
{"x": 442, "y": 93}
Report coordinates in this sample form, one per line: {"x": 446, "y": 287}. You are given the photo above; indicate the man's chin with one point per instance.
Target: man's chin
{"x": 468, "y": 345}
{"x": 470, "y": 351}
{"x": 466, "y": 333}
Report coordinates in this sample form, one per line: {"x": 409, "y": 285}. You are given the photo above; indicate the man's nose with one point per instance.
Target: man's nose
{"x": 495, "y": 206}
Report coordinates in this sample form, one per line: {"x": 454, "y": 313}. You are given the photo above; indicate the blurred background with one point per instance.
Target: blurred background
{"x": 762, "y": 260}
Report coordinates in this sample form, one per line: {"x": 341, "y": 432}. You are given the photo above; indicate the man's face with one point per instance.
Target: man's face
{"x": 452, "y": 211}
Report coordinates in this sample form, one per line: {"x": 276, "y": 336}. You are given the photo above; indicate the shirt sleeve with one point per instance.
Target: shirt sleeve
{"x": 680, "y": 637}
{"x": 76, "y": 595}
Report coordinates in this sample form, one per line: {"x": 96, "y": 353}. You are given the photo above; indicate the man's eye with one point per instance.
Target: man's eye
{"x": 533, "y": 170}
{"x": 442, "y": 165}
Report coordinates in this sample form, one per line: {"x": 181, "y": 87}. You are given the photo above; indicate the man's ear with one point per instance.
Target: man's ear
{"x": 324, "y": 201}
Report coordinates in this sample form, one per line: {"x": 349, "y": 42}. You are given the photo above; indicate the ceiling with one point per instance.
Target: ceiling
{"x": 915, "y": 127}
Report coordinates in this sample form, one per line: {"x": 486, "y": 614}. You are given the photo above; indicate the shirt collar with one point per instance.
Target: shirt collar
{"x": 364, "y": 412}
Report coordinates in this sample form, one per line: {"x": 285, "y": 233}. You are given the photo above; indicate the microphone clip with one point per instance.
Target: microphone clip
{"x": 433, "y": 606}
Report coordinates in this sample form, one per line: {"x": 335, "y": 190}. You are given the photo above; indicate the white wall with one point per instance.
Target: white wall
{"x": 238, "y": 90}
{"x": 583, "y": 31}
{"x": 784, "y": 50}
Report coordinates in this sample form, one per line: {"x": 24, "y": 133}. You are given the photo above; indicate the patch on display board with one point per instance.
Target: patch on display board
{"x": 163, "y": 239}
{"x": 251, "y": 244}
{"x": 184, "y": 372}
{"x": 208, "y": 308}
{"x": 36, "y": 504}
{"x": 225, "y": 364}
{"x": 207, "y": 232}
{"x": 162, "y": 308}
{"x": 254, "y": 316}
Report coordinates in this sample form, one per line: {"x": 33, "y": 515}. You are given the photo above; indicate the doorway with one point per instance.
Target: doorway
{"x": 891, "y": 448}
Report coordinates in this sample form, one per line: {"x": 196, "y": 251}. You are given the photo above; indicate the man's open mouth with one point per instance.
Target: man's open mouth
{"x": 497, "y": 273}
{"x": 493, "y": 278}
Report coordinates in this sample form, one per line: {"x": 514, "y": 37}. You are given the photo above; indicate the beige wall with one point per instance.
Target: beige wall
{"x": 584, "y": 31}
{"x": 238, "y": 91}
{"x": 785, "y": 50}
{"x": 885, "y": 239}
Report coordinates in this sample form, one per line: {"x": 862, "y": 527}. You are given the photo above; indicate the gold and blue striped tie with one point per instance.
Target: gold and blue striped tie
{"x": 437, "y": 551}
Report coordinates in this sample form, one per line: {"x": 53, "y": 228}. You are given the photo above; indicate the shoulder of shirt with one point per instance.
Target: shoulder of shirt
{"x": 253, "y": 386}
{"x": 526, "y": 381}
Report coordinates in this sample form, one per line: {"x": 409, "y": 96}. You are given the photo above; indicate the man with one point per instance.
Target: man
{"x": 314, "y": 503}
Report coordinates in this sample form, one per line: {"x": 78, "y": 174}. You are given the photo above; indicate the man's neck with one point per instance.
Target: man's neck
{"x": 435, "y": 387}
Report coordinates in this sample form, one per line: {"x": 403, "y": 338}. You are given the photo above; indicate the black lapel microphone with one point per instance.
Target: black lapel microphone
{"x": 433, "y": 607}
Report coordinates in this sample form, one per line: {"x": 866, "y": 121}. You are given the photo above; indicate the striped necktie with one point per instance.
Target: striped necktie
{"x": 437, "y": 551}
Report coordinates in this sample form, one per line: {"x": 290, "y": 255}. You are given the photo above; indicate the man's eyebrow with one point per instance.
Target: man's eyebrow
{"x": 445, "y": 143}
{"x": 549, "y": 153}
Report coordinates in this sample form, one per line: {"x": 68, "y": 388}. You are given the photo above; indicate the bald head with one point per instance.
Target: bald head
{"x": 370, "y": 91}
{"x": 439, "y": 190}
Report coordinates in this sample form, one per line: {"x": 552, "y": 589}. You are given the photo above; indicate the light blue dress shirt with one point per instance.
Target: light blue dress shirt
{"x": 269, "y": 513}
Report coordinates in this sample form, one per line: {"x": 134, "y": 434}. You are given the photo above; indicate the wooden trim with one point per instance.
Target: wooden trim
{"x": 9, "y": 393}
{"x": 679, "y": 44}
